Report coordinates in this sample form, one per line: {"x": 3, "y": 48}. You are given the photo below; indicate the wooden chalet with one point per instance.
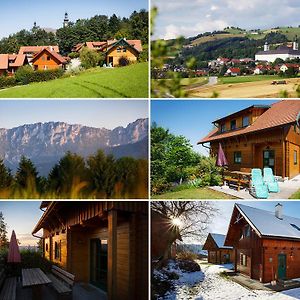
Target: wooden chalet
{"x": 114, "y": 49}
{"x": 9, "y": 63}
{"x": 48, "y": 59}
{"x": 266, "y": 244}
{"x": 260, "y": 136}
{"x": 102, "y": 243}
{"x": 217, "y": 252}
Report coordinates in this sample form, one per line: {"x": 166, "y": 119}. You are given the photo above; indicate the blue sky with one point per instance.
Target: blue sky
{"x": 193, "y": 118}
{"x": 221, "y": 221}
{"x": 96, "y": 113}
{"x": 189, "y": 18}
{"x": 21, "y": 216}
{"x": 17, "y": 15}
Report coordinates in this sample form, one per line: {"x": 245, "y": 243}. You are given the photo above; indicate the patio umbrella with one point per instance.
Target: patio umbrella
{"x": 13, "y": 251}
{"x": 221, "y": 160}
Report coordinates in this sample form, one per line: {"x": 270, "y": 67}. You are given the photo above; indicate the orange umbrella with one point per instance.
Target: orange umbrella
{"x": 13, "y": 251}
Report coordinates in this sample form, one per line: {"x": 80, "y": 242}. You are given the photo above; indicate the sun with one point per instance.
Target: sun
{"x": 176, "y": 222}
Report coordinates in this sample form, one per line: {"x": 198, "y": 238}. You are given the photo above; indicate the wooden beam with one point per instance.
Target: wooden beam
{"x": 112, "y": 255}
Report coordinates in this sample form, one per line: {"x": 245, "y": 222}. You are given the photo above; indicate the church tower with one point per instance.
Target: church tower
{"x": 295, "y": 43}
{"x": 66, "y": 20}
{"x": 266, "y": 46}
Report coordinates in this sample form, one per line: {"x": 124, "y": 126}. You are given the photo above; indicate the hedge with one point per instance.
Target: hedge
{"x": 26, "y": 75}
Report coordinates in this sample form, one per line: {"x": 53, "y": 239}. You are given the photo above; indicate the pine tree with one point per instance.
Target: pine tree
{"x": 27, "y": 175}
{"x": 6, "y": 178}
{"x": 3, "y": 232}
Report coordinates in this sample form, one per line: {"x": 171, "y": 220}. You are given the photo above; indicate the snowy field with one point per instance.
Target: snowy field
{"x": 209, "y": 285}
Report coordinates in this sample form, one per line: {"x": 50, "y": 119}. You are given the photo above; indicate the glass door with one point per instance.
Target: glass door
{"x": 98, "y": 263}
{"x": 269, "y": 159}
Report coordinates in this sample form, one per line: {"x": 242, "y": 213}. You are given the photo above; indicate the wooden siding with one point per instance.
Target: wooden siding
{"x": 271, "y": 249}
{"x": 42, "y": 63}
{"x": 251, "y": 147}
{"x": 292, "y": 146}
{"x": 130, "y": 54}
{"x": 218, "y": 256}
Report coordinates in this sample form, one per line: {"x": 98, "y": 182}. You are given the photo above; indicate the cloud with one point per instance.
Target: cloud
{"x": 192, "y": 17}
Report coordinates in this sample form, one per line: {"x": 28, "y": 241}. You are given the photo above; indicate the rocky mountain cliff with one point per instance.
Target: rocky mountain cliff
{"x": 46, "y": 143}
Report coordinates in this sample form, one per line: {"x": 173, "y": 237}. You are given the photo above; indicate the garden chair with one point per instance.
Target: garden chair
{"x": 270, "y": 181}
{"x": 258, "y": 188}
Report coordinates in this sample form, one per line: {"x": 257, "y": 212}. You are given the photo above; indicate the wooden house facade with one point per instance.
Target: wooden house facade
{"x": 102, "y": 243}
{"x": 218, "y": 253}
{"x": 9, "y": 63}
{"x": 260, "y": 136}
{"x": 48, "y": 60}
{"x": 114, "y": 49}
{"x": 31, "y": 51}
{"x": 266, "y": 244}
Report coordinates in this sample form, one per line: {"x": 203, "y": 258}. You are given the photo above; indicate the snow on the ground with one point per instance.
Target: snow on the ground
{"x": 209, "y": 285}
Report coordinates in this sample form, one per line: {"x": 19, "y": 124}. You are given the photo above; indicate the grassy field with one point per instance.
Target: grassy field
{"x": 214, "y": 37}
{"x": 193, "y": 193}
{"x": 125, "y": 82}
{"x": 250, "y": 78}
{"x": 295, "y": 195}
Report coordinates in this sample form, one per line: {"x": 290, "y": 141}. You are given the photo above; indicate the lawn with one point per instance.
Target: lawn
{"x": 250, "y": 78}
{"x": 194, "y": 193}
{"x": 125, "y": 82}
{"x": 295, "y": 195}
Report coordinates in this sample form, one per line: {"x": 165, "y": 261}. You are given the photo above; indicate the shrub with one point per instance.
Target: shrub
{"x": 7, "y": 82}
{"x": 74, "y": 55}
{"x": 26, "y": 75}
{"x": 123, "y": 61}
{"x": 186, "y": 255}
{"x": 158, "y": 186}
{"x": 188, "y": 265}
{"x": 90, "y": 58}
{"x": 33, "y": 259}
{"x": 144, "y": 55}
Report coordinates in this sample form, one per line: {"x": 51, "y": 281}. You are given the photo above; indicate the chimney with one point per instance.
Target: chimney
{"x": 278, "y": 211}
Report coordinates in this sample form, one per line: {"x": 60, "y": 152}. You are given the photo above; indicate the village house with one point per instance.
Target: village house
{"x": 233, "y": 72}
{"x": 262, "y": 69}
{"x": 218, "y": 253}
{"x": 102, "y": 243}
{"x": 260, "y": 136}
{"x": 48, "y": 60}
{"x": 9, "y": 63}
{"x": 114, "y": 49}
{"x": 282, "y": 52}
{"x": 284, "y": 67}
{"x": 31, "y": 51}
{"x": 266, "y": 244}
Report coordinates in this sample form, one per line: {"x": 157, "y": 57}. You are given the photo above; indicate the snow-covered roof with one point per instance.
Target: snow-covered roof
{"x": 267, "y": 224}
{"x": 219, "y": 240}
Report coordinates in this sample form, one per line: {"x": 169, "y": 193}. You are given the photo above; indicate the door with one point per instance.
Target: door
{"x": 98, "y": 263}
{"x": 111, "y": 60}
{"x": 269, "y": 159}
{"x": 227, "y": 258}
{"x": 281, "y": 266}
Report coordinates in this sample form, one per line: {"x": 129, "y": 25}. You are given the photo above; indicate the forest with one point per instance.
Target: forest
{"x": 100, "y": 176}
{"x": 97, "y": 28}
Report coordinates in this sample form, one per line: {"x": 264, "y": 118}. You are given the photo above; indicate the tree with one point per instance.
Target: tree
{"x": 26, "y": 176}
{"x": 102, "y": 174}
{"x": 191, "y": 217}
{"x": 3, "y": 232}
{"x": 89, "y": 58}
{"x": 6, "y": 178}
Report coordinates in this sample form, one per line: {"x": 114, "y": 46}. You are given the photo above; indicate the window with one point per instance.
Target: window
{"x": 237, "y": 157}
{"x": 245, "y": 121}
{"x": 247, "y": 231}
{"x": 233, "y": 125}
{"x": 48, "y": 57}
{"x": 124, "y": 49}
{"x": 243, "y": 259}
{"x": 295, "y": 157}
{"x": 46, "y": 247}
{"x": 223, "y": 127}
{"x": 57, "y": 250}
{"x": 118, "y": 49}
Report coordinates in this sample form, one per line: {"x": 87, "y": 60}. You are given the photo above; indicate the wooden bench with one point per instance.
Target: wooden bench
{"x": 8, "y": 287}
{"x": 62, "y": 281}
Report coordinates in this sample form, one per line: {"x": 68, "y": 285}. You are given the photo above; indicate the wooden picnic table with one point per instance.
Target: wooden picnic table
{"x": 36, "y": 279}
{"x": 240, "y": 178}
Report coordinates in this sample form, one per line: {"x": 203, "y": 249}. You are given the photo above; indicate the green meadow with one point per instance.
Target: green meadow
{"x": 125, "y": 82}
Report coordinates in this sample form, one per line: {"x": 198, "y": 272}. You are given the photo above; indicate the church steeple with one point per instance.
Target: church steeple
{"x": 66, "y": 20}
{"x": 295, "y": 43}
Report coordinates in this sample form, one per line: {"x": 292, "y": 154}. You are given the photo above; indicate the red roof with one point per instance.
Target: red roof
{"x": 234, "y": 70}
{"x": 57, "y": 56}
{"x": 11, "y": 60}
{"x": 280, "y": 113}
{"x": 35, "y": 49}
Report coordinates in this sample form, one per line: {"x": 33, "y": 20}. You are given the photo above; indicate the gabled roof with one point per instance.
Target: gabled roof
{"x": 3, "y": 61}
{"x": 219, "y": 240}
{"x": 11, "y": 60}
{"x": 280, "y": 113}
{"x": 234, "y": 70}
{"x": 57, "y": 56}
{"x": 135, "y": 44}
{"x": 35, "y": 49}
{"x": 266, "y": 224}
